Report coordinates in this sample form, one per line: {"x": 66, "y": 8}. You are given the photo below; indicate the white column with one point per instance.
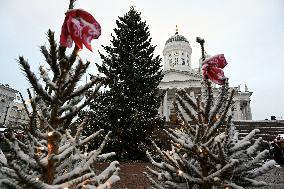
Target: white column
{"x": 165, "y": 107}
{"x": 238, "y": 113}
{"x": 246, "y": 112}
{"x": 249, "y": 111}
{"x": 160, "y": 110}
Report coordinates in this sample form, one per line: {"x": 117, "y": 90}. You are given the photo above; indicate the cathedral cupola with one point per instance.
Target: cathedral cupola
{"x": 177, "y": 53}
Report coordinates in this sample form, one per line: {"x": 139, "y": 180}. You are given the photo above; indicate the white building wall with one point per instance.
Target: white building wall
{"x": 7, "y": 95}
{"x": 178, "y": 76}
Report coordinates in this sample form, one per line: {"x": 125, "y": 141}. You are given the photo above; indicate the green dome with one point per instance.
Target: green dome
{"x": 177, "y": 37}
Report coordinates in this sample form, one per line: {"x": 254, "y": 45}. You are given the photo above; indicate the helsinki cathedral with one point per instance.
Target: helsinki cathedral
{"x": 179, "y": 74}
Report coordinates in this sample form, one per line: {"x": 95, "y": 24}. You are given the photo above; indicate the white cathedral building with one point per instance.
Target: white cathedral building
{"x": 179, "y": 74}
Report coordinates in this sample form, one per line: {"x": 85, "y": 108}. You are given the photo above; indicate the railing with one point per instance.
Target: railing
{"x": 268, "y": 129}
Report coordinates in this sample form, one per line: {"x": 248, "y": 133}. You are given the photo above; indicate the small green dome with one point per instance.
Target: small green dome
{"x": 176, "y": 37}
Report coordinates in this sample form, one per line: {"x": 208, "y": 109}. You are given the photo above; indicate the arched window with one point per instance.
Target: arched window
{"x": 182, "y": 61}
{"x": 176, "y": 61}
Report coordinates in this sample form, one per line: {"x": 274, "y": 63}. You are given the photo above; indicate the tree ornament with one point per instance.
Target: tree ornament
{"x": 212, "y": 69}
{"x": 213, "y": 155}
{"x": 81, "y": 27}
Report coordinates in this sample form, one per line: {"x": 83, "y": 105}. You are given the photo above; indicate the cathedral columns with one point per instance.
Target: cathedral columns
{"x": 237, "y": 112}
{"x": 165, "y": 107}
{"x": 245, "y": 112}
{"x": 249, "y": 111}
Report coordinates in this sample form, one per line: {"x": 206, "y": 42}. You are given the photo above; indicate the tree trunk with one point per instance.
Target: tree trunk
{"x": 204, "y": 167}
{"x": 53, "y": 141}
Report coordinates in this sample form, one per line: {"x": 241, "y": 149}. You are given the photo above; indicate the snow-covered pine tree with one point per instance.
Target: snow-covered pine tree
{"x": 130, "y": 108}
{"x": 207, "y": 151}
{"x": 51, "y": 156}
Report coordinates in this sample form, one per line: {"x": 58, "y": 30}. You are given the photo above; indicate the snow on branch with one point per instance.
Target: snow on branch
{"x": 46, "y": 78}
{"x": 211, "y": 154}
{"x": 84, "y": 88}
{"x": 33, "y": 80}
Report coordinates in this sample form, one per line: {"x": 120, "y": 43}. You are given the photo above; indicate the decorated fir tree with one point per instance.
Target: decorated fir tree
{"x": 50, "y": 156}
{"x": 207, "y": 151}
{"x": 130, "y": 105}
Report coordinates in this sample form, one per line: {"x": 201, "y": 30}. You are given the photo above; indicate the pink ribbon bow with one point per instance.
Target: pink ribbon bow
{"x": 81, "y": 27}
{"x": 212, "y": 69}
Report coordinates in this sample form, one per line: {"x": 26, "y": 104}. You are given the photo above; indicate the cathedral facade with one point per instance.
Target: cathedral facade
{"x": 179, "y": 74}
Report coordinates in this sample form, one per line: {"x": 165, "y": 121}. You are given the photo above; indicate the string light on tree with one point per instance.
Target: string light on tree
{"x": 50, "y": 133}
{"x": 213, "y": 147}
{"x": 51, "y": 154}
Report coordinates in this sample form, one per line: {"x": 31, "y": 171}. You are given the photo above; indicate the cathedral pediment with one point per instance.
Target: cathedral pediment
{"x": 175, "y": 75}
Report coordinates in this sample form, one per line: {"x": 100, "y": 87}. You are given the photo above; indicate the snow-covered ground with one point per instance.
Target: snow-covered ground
{"x": 275, "y": 177}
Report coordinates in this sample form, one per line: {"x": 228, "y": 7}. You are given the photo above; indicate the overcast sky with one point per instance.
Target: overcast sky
{"x": 249, "y": 32}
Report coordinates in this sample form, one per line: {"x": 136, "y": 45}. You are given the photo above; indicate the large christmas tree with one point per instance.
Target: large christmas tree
{"x": 207, "y": 152}
{"x": 133, "y": 72}
{"x": 50, "y": 156}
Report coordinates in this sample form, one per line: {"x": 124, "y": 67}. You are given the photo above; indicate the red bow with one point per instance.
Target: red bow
{"x": 81, "y": 27}
{"x": 212, "y": 69}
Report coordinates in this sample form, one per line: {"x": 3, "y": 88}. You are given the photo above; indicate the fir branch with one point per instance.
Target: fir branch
{"x": 46, "y": 55}
{"x": 24, "y": 104}
{"x": 152, "y": 181}
{"x": 46, "y": 79}
{"x": 175, "y": 137}
{"x": 71, "y": 105}
{"x": 222, "y": 96}
{"x": 197, "y": 134}
{"x": 61, "y": 53}
{"x": 187, "y": 98}
{"x": 68, "y": 116}
{"x": 181, "y": 104}
{"x": 209, "y": 100}
{"x": 256, "y": 183}
{"x": 10, "y": 184}
{"x": 227, "y": 167}
{"x": 110, "y": 172}
{"x": 199, "y": 112}
{"x": 89, "y": 138}
{"x": 263, "y": 169}
{"x": 221, "y": 156}
{"x": 172, "y": 161}
{"x": 22, "y": 156}
{"x": 80, "y": 129}
{"x": 33, "y": 80}
{"x": 221, "y": 121}
{"x": 53, "y": 53}
{"x": 191, "y": 167}
{"x": 93, "y": 155}
{"x": 73, "y": 176}
{"x": 84, "y": 88}
{"x": 182, "y": 121}
{"x": 9, "y": 173}
{"x": 73, "y": 80}
{"x": 29, "y": 180}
